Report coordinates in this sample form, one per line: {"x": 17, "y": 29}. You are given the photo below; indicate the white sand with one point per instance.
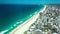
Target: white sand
{"x": 25, "y": 26}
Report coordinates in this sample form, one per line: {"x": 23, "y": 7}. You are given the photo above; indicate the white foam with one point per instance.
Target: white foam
{"x": 3, "y": 31}
{"x": 15, "y": 24}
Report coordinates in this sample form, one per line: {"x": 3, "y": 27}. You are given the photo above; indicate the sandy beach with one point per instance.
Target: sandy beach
{"x": 25, "y": 26}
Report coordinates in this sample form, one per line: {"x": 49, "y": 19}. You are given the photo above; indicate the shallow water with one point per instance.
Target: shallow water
{"x": 12, "y": 15}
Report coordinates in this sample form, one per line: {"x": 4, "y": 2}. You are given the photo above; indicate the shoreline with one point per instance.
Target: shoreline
{"x": 22, "y": 28}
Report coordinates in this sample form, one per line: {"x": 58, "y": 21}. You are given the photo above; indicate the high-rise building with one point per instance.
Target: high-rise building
{"x": 48, "y": 22}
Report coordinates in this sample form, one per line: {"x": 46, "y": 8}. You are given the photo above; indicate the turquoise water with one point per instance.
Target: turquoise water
{"x": 13, "y": 15}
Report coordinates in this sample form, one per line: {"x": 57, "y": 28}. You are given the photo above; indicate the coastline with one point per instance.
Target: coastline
{"x": 23, "y": 27}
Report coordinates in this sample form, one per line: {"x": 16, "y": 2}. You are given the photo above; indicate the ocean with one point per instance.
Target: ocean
{"x": 13, "y": 15}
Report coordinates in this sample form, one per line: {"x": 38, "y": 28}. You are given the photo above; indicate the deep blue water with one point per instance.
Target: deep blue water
{"x": 12, "y": 13}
